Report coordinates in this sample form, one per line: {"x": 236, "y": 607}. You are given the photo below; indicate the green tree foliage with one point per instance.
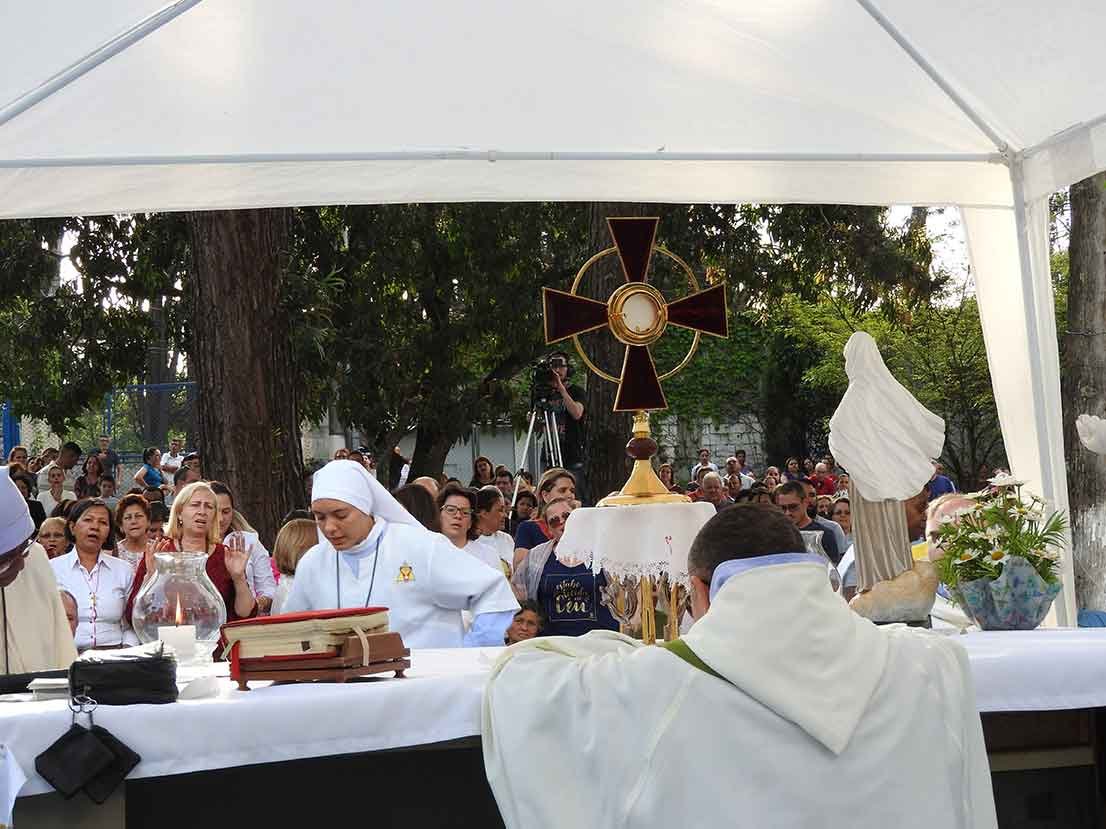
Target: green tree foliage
{"x": 427, "y": 315}
{"x": 62, "y": 346}
{"x": 936, "y": 352}
{"x": 439, "y": 308}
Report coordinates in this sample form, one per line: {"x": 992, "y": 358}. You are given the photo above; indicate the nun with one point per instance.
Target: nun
{"x": 372, "y": 552}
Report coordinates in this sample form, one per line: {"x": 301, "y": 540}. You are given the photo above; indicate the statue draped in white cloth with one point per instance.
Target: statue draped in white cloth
{"x": 887, "y": 441}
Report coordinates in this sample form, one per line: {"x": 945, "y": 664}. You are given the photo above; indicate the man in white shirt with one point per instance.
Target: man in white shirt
{"x": 171, "y": 461}
{"x": 67, "y": 460}
{"x": 704, "y": 463}
{"x": 780, "y": 707}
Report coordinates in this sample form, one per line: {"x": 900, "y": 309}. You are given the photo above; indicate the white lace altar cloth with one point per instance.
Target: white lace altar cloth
{"x": 635, "y": 541}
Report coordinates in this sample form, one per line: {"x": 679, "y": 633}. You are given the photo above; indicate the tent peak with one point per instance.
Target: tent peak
{"x": 1001, "y": 144}
{"x": 97, "y": 56}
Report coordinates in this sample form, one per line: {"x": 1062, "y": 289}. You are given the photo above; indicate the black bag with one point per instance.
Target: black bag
{"x": 128, "y": 680}
{"x": 74, "y": 759}
{"x": 100, "y": 787}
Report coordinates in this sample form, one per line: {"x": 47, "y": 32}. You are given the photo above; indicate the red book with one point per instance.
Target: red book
{"x": 302, "y": 634}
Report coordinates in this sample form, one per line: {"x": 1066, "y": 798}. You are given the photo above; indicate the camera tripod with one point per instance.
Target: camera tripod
{"x": 551, "y": 436}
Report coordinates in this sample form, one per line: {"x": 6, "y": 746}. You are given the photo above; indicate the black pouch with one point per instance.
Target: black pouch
{"x": 73, "y": 760}
{"x": 129, "y": 680}
{"x": 100, "y": 787}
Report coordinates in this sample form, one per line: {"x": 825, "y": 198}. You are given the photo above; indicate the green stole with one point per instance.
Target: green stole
{"x": 679, "y": 647}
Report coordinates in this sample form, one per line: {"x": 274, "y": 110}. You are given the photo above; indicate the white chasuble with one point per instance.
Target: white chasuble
{"x": 38, "y": 634}
{"x": 819, "y": 719}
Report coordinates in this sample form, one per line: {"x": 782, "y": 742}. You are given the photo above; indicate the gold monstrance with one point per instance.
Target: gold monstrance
{"x": 637, "y": 315}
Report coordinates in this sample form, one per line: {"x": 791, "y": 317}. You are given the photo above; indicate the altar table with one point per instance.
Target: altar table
{"x": 265, "y": 739}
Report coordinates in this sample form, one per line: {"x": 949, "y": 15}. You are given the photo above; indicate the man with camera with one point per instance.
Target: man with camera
{"x": 564, "y": 403}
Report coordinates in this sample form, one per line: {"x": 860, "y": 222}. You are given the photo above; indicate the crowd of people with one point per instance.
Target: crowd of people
{"x": 101, "y": 541}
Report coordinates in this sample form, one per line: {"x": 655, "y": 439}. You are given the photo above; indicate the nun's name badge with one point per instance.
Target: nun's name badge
{"x": 406, "y": 573}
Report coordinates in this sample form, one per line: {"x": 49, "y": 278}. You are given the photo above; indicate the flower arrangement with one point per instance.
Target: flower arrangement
{"x": 1001, "y": 556}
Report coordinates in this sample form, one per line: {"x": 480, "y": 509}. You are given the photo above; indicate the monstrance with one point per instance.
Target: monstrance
{"x": 637, "y": 315}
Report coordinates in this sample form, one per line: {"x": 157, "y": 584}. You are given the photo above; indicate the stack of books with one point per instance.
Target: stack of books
{"x": 327, "y": 645}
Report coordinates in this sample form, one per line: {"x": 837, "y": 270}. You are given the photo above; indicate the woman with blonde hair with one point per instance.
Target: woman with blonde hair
{"x": 194, "y": 525}
{"x": 294, "y": 539}
{"x": 555, "y": 483}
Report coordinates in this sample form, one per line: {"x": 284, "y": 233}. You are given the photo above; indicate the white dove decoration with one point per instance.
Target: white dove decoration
{"x": 1092, "y": 432}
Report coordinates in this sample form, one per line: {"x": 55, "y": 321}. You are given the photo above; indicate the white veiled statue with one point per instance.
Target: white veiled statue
{"x": 880, "y": 432}
{"x": 886, "y": 439}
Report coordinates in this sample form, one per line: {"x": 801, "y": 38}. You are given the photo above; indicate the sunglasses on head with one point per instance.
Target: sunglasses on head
{"x": 557, "y": 520}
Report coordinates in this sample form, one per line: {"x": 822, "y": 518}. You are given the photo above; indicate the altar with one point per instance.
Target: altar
{"x": 409, "y": 749}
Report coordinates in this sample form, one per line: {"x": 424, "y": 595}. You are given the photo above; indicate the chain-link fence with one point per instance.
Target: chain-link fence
{"x": 134, "y": 417}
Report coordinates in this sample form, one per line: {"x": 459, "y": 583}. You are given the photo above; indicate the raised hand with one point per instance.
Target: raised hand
{"x": 236, "y": 557}
{"x": 162, "y": 545}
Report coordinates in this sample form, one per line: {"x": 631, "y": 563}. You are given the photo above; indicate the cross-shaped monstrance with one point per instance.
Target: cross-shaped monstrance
{"x": 636, "y": 314}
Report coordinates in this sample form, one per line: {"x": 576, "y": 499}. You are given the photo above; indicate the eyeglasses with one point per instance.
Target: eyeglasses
{"x": 449, "y": 509}
{"x": 557, "y": 520}
{"x": 791, "y": 507}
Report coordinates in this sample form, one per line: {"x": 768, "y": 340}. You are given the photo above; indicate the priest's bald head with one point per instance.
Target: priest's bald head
{"x": 740, "y": 532}
{"x": 16, "y": 528}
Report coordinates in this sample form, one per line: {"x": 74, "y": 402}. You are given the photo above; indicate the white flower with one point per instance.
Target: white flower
{"x": 997, "y": 556}
{"x": 993, "y": 533}
{"x": 947, "y": 519}
{"x": 1004, "y": 479}
{"x": 960, "y": 512}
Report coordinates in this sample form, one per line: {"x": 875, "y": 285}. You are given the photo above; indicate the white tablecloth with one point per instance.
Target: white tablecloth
{"x": 1047, "y": 669}
{"x": 440, "y": 700}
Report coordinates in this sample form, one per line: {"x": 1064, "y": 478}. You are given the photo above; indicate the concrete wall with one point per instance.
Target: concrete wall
{"x": 679, "y": 444}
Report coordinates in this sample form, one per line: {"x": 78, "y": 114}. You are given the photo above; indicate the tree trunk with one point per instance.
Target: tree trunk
{"x": 155, "y": 402}
{"x": 431, "y": 447}
{"x": 1083, "y": 386}
{"x": 249, "y": 420}
{"x": 606, "y": 466}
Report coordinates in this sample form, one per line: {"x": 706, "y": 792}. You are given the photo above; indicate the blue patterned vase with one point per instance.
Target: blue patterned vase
{"x": 1019, "y": 599}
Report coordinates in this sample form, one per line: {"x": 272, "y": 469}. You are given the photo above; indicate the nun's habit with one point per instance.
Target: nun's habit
{"x": 35, "y": 634}
{"x": 423, "y": 580}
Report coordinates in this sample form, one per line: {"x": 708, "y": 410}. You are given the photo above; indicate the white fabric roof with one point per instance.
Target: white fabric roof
{"x": 234, "y": 103}
{"x": 130, "y": 105}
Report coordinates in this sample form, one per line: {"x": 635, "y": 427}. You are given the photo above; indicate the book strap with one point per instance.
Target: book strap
{"x": 680, "y": 648}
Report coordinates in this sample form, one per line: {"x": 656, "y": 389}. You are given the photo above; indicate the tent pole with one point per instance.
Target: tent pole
{"x": 1083, "y": 127}
{"x": 94, "y": 58}
{"x": 496, "y": 156}
{"x": 933, "y": 74}
{"x": 1047, "y": 453}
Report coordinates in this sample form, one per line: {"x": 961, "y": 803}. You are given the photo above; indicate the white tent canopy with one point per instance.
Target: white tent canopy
{"x": 132, "y": 105}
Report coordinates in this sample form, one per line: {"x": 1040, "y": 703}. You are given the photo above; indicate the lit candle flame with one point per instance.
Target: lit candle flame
{"x": 180, "y": 616}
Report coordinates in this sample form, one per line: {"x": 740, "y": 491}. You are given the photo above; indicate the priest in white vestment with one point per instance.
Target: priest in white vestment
{"x": 35, "y": 634}
{"x": 781, "y": 707}
{"x": 372, "y": 552}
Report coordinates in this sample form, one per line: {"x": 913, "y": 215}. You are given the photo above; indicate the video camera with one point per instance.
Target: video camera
{"x": 542, "y": 389}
